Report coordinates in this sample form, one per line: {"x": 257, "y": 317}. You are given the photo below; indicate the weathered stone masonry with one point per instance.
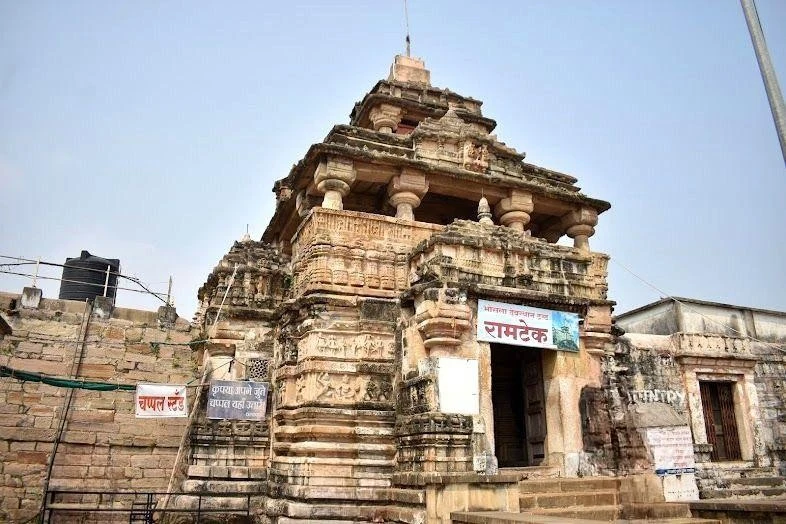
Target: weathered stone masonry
{"x": 103, "y": 447}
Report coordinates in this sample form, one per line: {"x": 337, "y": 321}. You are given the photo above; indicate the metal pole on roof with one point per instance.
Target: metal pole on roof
{"x": 771, "y": 86}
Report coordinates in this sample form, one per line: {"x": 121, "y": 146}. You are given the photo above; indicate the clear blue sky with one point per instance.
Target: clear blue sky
{"x": 153, "y": 131}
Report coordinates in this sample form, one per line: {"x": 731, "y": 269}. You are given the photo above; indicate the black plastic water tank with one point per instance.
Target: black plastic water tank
{"x": 84, "y": 277}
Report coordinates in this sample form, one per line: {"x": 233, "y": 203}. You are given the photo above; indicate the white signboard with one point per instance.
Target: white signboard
{"x": 672, "y": 452}
{"x": 457, "y": 382}
{"x": 160, "y": 400}
{"x": 672, "y": 449}
{"x": 527, "y": 326}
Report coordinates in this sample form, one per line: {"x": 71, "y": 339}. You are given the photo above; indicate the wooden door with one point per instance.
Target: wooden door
{"x": 717, "y": 401}
{"x": 534, "y": 405}
{"x": 506, "y": 398}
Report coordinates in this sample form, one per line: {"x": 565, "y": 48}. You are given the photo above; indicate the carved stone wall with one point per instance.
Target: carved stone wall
{"x": 471, "y": 253}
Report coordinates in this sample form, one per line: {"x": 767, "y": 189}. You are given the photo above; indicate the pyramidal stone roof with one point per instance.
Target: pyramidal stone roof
{"x": 404, "y": 122}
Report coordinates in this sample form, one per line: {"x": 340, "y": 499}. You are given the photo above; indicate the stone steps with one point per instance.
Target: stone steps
{"x": 740, "y": 493}
{"x": 605, "y": 513}
{"x": 758, "y": 481}
{"x": 531, "y": 501}
{"x": 553, "y": 485}
{"x": 657, "y": 510}
{"x": 501, "y": 517}
{"x": 591, "y": 499}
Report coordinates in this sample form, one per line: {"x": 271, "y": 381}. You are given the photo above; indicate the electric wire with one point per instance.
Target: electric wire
{"x": 663, "y": 294}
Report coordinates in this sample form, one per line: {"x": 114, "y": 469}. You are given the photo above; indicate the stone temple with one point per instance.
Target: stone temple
{"x": 360, "y": 305}
{"x": 434, "y": 342}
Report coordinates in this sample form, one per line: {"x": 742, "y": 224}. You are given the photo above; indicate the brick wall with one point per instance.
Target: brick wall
{"x": 104, "y": 446}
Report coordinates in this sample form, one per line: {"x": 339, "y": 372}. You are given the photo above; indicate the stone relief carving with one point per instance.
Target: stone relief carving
{"x": 476, "y": 157}
{"x": 359, "y": 346}
{"x": 343, "y": 387}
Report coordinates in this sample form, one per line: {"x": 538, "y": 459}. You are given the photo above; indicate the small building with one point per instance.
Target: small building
{"x": 722, "y": 367}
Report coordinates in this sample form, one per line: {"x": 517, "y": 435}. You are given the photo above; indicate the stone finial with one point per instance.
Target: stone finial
{"x": 410, "y": 70}
{"x": 514, "y": 210}
{"x": 334, "y": 178}
{"x": 484, "y": 212}
{"x": 580, "y": 225}
{"x": 406, "y": 191}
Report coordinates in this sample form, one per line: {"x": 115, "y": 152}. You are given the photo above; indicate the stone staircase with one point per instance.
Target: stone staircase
{"x": 732, "y": 481}
{"x": 581, "y": 500}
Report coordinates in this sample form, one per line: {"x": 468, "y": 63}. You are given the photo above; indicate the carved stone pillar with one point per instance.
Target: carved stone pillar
{"x": 385, "y": 117}
{"x": 514, "y": 210}
{"x": 406, "y": 191}
{"x": 334, "y": 178}
{"x": 580, "y": 225}
{"x": 442, "y": 318}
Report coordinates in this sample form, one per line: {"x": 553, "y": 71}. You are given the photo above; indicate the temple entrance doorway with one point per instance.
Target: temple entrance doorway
{"x": 517, "y": 397}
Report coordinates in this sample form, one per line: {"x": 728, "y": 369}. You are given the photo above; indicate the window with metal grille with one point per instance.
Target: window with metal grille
{"x": 257, "y": 369}
{"x": 717, "y": 400}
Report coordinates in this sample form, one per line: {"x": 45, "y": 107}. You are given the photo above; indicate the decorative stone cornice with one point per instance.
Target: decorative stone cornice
{"x": 442, "y": 318}
{"x": 385, "y": 117}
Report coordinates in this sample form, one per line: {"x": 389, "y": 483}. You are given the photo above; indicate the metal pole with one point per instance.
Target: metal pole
{"x": 771, "y": 86}
{"x": 169, "y": 291}
{"x": 37, "y": 265}
{"x": 106, "y": 281}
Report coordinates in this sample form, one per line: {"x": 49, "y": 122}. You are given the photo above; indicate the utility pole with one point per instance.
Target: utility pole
{"x": 771, "y": 86}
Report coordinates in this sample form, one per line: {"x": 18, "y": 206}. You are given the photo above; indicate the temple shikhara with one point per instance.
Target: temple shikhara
{"x": 410, "y": 257}
{"x": 423, "y": 334}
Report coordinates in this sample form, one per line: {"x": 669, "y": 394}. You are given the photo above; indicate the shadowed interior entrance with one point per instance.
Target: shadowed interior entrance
{"x": 519, "y": 410}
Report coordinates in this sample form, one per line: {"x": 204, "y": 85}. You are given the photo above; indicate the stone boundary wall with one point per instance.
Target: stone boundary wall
{"x": 104, "y": 446}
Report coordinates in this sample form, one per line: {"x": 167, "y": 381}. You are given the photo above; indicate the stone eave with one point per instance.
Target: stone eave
{"x": 434, "y": 108}
{"x": 498, "y": 238}
{"x": 500, "y": 149}
{"x": 296, "y": 182}
{"x": 534, "y": 298}
{"x": 549, "y": 174}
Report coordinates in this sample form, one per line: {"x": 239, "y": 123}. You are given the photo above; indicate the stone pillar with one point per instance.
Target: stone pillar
{"x": 580, "y": 225}
{"x": 513, "y": 211}
{"x": 385, "y": 117}
{"x": 334, "y": 178}
{"x": 406, "y": 191}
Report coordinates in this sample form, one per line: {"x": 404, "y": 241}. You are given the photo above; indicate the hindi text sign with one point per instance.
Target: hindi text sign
{"x": 237, "y": 400}
{"x": 160, "y": 400}
{"x": 527, "y": 326}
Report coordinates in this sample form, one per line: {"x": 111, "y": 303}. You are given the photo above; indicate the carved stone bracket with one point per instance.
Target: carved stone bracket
{"x": 334, "y": 178}
{"x": 385, "y": 117}
{"x": 442, "y": 318}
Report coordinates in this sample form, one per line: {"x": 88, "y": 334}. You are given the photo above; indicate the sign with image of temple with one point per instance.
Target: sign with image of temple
{"x": 527, "y": 326}
{"x": 427, "y": 340}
